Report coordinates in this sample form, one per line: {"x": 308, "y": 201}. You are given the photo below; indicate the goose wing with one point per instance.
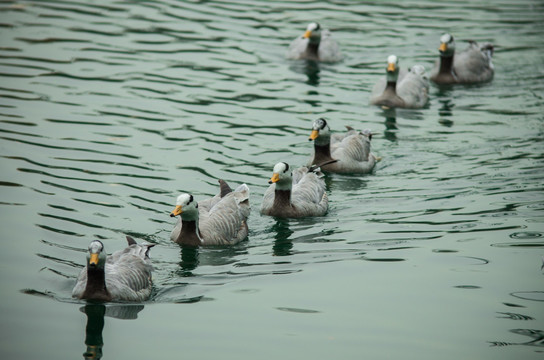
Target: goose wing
{"x": 351, "y": 148}
{"x": 413, "y": 87}
{"x": 328, "y": 50}
{"x": 297, "y": 48}
{"x": 128, "y": 273}
{"x": 225, "y": 223}
{"x": 308, "y": 193}
{"x": 354, "y": 155}
{"x": 474, "y": 63}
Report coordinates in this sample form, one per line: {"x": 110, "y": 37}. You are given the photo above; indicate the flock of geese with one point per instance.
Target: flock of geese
{"x": 222, "y": 220}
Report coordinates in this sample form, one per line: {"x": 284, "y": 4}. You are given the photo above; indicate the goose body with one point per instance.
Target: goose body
{"x": 401, "y": 88}
{"x": 470, "y": 66}
{"x": 297, "y": 194}
{"x": 123, "y": 276}
{"x": 316, "y": 44}
{"x": 351, "y": 150}
{"x": 220, "y": 220}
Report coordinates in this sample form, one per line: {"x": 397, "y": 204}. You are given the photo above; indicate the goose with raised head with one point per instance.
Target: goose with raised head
{"x": 401, "y": 88}
{"x": 315, "y": 44}
{"x": 123, "y": 276}
{"x": 351, "y": 149}
{"x": 470, "y": 66}
{"x": 220, "y": 220}
{"x": 295, "y": 194}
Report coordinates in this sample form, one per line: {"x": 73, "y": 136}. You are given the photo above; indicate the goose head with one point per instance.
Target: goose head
{"x": 313, "y": 33}
{"x": 447, "y": 45}
{"x": 96, "y": 258}
{"x": 321, "y": 133}
{"x": 392, "y": 70}
{"x": 281, "y": 176}
{"x": 187, "y": 207}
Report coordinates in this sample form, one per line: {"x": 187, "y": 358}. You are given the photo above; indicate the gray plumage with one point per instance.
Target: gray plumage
{"x": 401, "y": 88}
{"x": 123, "y": 276}
{"x": 470, "y": 66}
{"x": 351, "y": 149}
{"x": 220, "y": 220}
{"x": 297, "y": 194}
{"x": 316, "y": 44}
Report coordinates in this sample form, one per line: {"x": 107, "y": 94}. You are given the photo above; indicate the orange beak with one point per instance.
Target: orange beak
{"x": 94, "y": 259}
{"x": 307, "y": 34}
{"x": 443, "y": 47}
{"x": 314, "y": 135}
{"x": 275, "y": 178}
{"x": 391, "y": 67}
{"x": 176, "y": 211}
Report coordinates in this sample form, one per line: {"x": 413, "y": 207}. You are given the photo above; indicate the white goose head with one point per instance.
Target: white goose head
{"x": 313, "y": 33}
{"x": 321, "y": 132}
{"x": 447, "y": 45}
{"x": 392, "y": 70}
{"x": 281, "y": 176}
{"x": 96, "y": 258}
{"x": 187, "y": 207}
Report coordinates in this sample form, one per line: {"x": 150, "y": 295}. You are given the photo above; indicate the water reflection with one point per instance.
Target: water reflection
{"x": 308, "y": 67}
{"x": 537, "y": 338}
{"x": 93, "y": 331}
{"x": 95, "y": 324}
{"x": 189, "y": 261}
{"x": 192, "y": 258}
{"x": 445, "y": 112}
{"x": 390, "y": 122}
{"x": 283, "y": 245}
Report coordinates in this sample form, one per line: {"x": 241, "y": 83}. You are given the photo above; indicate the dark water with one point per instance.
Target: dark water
{"x": 108, "y": 110}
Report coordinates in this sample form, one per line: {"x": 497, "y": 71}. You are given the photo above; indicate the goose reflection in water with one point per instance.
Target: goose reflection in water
{"x": 310, "y": 68}
{"x": 189, "y": 261}
{"x": 95, "y": 324}
{"x": 282, "y": 243}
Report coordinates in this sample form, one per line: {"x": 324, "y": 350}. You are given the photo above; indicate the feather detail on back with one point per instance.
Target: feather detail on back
{"x": 221, "y": 220}
{"x": 127, "y": 275}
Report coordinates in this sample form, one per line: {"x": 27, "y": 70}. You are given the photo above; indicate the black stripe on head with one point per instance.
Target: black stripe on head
{"x": 286, "y": 167}
{"x": 322, "y": 123}
{"x": 190, "y": 198}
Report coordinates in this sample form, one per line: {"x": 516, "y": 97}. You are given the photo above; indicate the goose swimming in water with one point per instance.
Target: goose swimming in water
{"x": 351, "y": 149}
{"x": 123, "y": 276}
{"x": 470, "y": 66}
{"x": 221, "y": 220}
{"x": 401, "y": 89}
{"x": 316, "y": 44}
{"x": 297, "y": 194}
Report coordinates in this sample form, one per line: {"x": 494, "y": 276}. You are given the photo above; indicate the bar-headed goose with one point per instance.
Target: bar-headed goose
{"x": 295, "y": 194}
{"x": 351, "y": 149}
{"x": 220, "y": 220}
{"x": 470, "y": 66}
{"x": 316, "y": 44}
{"x": 401, "y": 88}
{"x": 123, "y": 276}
